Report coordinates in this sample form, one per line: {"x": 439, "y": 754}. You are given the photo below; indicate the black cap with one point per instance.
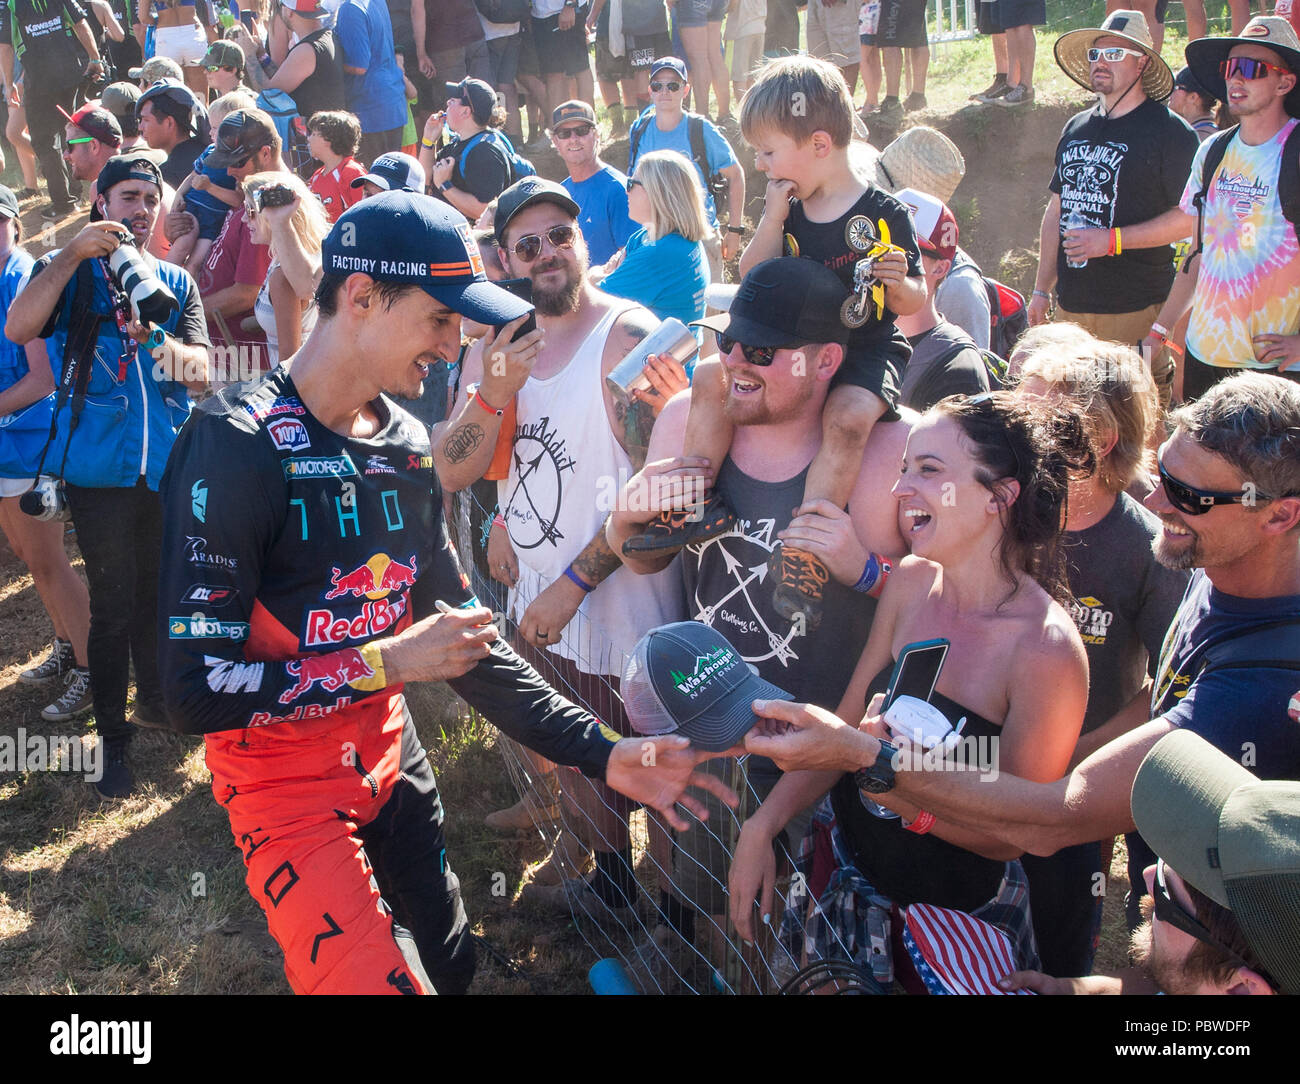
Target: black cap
{"x": 125, "y": 167}
{"x": 688, "y": 679}
{"x": 1186, "y": 80}
{"x": 481, "y": 97}
{"x": 8, "y": 203}
{"x": 524, "y": 193}
{"x": 786, "y": 301}
{"x": 241, "y": 135}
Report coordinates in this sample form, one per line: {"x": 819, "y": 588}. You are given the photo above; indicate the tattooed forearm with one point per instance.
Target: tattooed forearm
{"x": 597, "y": 561}
{"x": 462, "y": 442}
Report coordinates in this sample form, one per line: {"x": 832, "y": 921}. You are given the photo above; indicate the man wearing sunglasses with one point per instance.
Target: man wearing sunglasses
{"x": 1117, "y": 164}
{"x": 1220, "y": 908}
{"x": 1230, "y": 507}
{"x": 599, "y": 190}
{"x": 223, "y": 64}
{"x": 1242, "y": 284}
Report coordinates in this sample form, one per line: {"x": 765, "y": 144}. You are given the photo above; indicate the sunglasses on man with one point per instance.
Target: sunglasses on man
{"x": 672, "y": 87}
{"x": 1248, "y": 68}
{"x": 1196, "y": 502}
{"x": 760, "y": 356}
{"x": 212, "y": 68}
{"x": 578, "y": 131}
{"x": 1112, "y": 54}
{"x": 528, "y": 248}
{"x": 1170, "y": 911}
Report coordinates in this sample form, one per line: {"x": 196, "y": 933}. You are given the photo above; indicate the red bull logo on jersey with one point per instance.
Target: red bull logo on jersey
{"x": 331, "y": 672}
{"x": 373, "y": 580}
{"x": 301, "y": 714}
{"x": 325, "y": 628}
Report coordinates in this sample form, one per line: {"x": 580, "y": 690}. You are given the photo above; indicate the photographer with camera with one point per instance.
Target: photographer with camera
{"x": 26, "y": 406}
{"x": 126, "y": 340}
{"x": 54, "y": 41}
{"x": 667, "y": 127}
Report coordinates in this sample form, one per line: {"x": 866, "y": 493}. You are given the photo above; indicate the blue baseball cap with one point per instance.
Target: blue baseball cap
{"x": 686, "y": 678}
{"x": 394, "y": 172}
{"x": 413, "y": 238}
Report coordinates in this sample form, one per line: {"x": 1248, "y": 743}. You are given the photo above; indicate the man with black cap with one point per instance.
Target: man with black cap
{"x": 781, "y": 342}
{"x": 1222, "y": 902}
{"x": 325, "y": 587}
{"x": 53, "y": 41}
{"x": 477, "y": 165}
{"x": 1117, "y": 165}
{"x": 174, "y": 121}
{"x": 570, "y": 598}
{"x": 1242, "y": 284}
{"x": 223, "y": 64}
{"x": 129, "y": 398}
{"x": 1191, "y": 101}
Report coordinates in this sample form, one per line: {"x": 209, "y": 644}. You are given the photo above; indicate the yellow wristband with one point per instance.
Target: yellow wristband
{"x": 375, "y": 660}
{"x": 1119, "y": 247}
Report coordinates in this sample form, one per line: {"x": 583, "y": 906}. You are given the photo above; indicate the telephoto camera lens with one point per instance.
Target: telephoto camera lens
{"x": 152, "y": 303}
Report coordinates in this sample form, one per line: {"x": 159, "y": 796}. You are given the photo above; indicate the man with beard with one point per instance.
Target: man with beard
{"x": 572, "y": 443}
{"x": 1119, "y": 163}
{"x": 1229, "y": 501}
{"x": 1220, "y": 912}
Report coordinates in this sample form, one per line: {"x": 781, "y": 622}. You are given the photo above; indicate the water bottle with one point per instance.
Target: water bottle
{"x": 1074, "y": 220}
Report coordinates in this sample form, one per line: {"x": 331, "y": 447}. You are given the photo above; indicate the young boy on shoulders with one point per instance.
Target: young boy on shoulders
{"x": 798, "y": 117}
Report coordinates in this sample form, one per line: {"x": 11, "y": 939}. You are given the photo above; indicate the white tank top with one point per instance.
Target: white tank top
{"x": 565, "y": 472}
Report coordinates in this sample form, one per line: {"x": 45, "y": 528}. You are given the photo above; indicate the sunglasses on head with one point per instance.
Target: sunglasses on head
{"x": 530, "y": 247}
{"x": 761, "y": 356}
{"x": 672, "y": 87}
{"x": 1112, "y": 54}
{"x": 1248, "y": 68}
{"x": 578, "y": 131}
{"x": 1196, "y": 502}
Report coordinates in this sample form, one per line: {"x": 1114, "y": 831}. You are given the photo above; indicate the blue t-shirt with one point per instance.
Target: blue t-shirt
{"x": 22, "y": 433}
{"x": 716, "y": 149}
{"x": 602, "y": 199}
{"x": 220, "y": 178}
{"x": 378, "y": 98}
{"x": 1241, "y": 711}
{"x": 667, "y": 276}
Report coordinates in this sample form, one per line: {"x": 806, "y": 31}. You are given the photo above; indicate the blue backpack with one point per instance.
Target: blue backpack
{"x": 291, "y": 126}
{"x": 519, "y": 166}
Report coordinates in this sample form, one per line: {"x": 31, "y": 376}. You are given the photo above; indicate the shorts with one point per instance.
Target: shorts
{"x": 690, "y": 13}
{"x": 644, "y": 49}
{"x": 503, "y": 58}
{"x": 1198, "y": 377}
{"x": 869, "y": 21}
{"x": 15, "y": 487}
{"x": 210, "y": 219}
{"x": 187, "y": 45}
{"x": 527, "y": 53}
{"x": 902, "y": 24}
{"x": 562, "y": 52}
{"x": 423, "y": 85}
{"x": 874, "y": 368}
{"x": 746, "y": 56}
{"x": 986, "y": 18}
{"x": 1013, "y": 13}
{"x": 1162, "y": 7}
{"x": 832, "y": 31}
{"x": 611, "y": 68}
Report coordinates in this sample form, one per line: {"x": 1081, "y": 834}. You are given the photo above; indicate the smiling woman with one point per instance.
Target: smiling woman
{"x": 981, "y": 502}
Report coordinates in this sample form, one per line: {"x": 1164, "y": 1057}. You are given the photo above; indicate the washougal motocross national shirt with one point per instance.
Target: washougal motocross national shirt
{"x": 288, "y": 547}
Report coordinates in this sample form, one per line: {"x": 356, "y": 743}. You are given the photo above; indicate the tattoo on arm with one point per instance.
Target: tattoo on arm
{"x": 597, "y": 561}
{"x": 463, "y": 442}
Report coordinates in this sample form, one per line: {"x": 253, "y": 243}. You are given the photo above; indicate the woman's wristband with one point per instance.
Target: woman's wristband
{"x": 874, "y": 575}
{"x": 923, "y": 823}
{"x": 1161, "y": 330}
{"x": 587, "y": 588}
{"x": 1043, "y": 294}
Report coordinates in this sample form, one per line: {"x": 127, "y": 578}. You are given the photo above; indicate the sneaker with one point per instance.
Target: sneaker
{"x": 57, "y": 663}
{"x": 800, "y": 580}
{"x": 51, "y": 211}
{"x": 993, "y": 91}
{"x": 116, "y": 782}
{"x": 914, "y": 103}
{"x": 1017, "y": 95}
{"x": 890, "y": 113}
{"x": 670, "y": 531}
{"x": 75, "y": 699}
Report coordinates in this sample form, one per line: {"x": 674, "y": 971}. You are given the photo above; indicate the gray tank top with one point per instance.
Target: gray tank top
{"x": 729, "y": 588}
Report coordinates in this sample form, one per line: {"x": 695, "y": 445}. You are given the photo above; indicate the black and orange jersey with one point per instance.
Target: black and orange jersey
{"x": 287, "y": 548}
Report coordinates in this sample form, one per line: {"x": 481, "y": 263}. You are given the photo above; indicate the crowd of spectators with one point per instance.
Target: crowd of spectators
{"x": 1097, "y": 526}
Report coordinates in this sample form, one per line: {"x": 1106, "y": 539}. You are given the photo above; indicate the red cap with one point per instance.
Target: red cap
{"x": 936, "y": 225}
{"x": 95, "y": 121}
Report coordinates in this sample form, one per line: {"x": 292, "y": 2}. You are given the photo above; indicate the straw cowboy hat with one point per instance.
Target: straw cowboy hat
{"x": 924, "y": 159}
{"x": 1072, "y": 52}
{"x": 1206, "y": 54}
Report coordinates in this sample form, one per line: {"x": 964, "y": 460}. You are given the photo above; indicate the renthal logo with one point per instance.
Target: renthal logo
{"x": 324, "y": 629}
{"x": 335, "y": 466}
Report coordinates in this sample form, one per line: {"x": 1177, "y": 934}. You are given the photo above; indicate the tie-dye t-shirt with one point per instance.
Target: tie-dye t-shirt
{"x": 1250, "y": 269}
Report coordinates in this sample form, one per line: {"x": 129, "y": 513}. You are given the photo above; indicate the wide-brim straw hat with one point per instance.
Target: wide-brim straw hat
{"x": 1204, "y": 55}
{"x": 1072, "y": 52}
{"x": 924, "y": 159}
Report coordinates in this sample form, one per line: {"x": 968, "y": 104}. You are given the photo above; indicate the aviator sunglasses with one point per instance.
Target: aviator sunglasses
{"x": 530, "y": 247}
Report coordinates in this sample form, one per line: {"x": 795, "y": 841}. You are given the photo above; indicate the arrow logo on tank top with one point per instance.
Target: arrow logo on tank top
{"x": 537, "y": 487}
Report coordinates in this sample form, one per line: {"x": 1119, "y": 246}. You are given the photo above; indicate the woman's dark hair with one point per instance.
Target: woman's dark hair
{"x": 1040, "y": 445}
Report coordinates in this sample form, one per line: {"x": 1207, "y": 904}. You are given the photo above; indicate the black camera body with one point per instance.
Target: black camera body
{"x": 274, "y": 195}
{"x": 718, "y": 184}
{"x": 46, "y": 499}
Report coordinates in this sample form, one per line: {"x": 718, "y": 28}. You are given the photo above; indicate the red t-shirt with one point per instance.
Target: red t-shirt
{"x": 234, "y": 258}
{"x": 335, "y": 186}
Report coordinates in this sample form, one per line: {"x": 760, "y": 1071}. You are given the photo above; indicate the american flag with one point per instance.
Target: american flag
{"x": 956, "y": 953}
